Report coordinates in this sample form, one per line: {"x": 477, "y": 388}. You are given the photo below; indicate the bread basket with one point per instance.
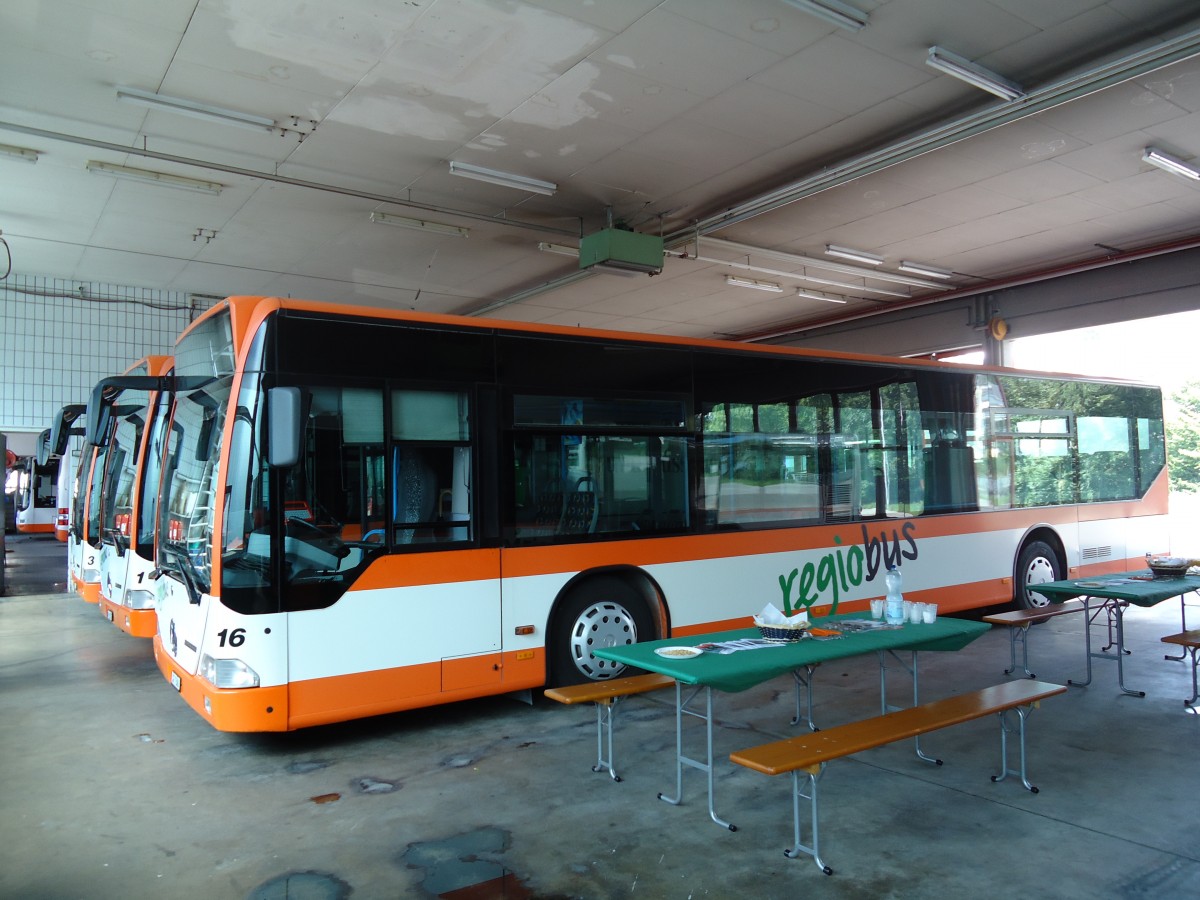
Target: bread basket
{"x": 1169, "y": 566}
{"x": 782, "y": 632}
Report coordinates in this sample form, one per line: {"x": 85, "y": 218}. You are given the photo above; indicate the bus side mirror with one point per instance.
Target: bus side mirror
{"x": 99, "y": 414}
{"x": 283, "y": 426}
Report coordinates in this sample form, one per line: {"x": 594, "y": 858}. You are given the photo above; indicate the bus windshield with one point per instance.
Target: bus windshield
{"x": 204, "y": 370}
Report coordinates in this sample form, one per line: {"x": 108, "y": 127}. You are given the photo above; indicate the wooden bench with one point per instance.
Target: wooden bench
{"x": 1018, "y": 622}
{"x": 807, "y": 755}
{"x": 1190, "y": 642}
{"x": 606, "y": 694}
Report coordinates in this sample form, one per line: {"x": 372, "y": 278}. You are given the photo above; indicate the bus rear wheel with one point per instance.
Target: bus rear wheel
{"x": 1037, "y": 564}
{"x": 602, "y": 612}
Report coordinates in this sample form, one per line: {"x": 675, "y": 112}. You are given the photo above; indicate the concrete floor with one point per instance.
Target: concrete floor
{"x": 110, "y": 787}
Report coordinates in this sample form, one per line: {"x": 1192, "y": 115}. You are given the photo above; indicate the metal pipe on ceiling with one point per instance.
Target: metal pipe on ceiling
{"x": 275, "y": 178}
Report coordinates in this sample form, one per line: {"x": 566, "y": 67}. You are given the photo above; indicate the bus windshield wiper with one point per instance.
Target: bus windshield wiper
{"x": 184, "y": 567}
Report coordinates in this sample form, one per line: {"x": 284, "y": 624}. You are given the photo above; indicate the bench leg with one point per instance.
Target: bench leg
{"x": 605, "y": 710}
{"x": 1183, "y": 622}
{"x": 799, "y": 794}
{"x": 805, "y": 681}
{"x": 1018, "y": 633}
{"x": 1006, "y": 729}
{"x": 1195, "y": 662}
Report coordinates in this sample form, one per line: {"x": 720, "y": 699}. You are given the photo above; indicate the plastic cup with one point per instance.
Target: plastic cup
{"x": 916, "y": 612}
{"x": 877, "y": 605}
{"x": 907, "y": 610}
{"x": 929, "y": 613}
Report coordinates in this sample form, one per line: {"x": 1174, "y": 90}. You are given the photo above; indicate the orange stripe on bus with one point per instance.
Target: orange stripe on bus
{"x": 412, "y": 569}
{"x": 320, "y": 701}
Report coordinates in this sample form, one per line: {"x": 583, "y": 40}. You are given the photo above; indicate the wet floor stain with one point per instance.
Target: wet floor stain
{"x": 466, "y": 867}
{"x": 306, "y": 766}
{"x": 302, "y": 886}
{"x": 368, "y": 785}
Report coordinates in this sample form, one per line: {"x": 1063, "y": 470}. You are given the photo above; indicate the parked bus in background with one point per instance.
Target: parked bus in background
{"x": 128, "y": 501}
{"x": 36, "y": 484}
{"x": 66, "y": 442}
{"x": 365, "y": 511}
{"x": 86, "y": 529}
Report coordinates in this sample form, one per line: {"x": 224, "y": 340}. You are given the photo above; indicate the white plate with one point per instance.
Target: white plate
{"x": 1089, "y": 584}
{"x": 678, "y": 652}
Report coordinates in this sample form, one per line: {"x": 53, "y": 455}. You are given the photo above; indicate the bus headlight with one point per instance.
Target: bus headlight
{"x": 91, "y": 575}
{"x": 227, "y": 673}
{"x": 140, "y": 600}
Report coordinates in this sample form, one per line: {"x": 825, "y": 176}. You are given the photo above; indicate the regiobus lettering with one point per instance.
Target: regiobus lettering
{"x": 831, "y": 577}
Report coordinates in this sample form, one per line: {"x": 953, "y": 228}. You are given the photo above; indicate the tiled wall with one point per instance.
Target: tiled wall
{"x": 58, "y": 338}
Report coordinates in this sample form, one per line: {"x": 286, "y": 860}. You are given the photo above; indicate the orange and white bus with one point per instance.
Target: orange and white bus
{"x": 128, "y": 504}
{"x": 34, "y": 501}
{"x": 66, "y": 443}
{"x": 85, "y": 539}
{"x": 365, "y": 511}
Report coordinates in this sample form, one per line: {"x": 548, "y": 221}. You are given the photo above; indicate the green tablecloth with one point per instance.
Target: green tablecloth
{"x": 1120, "y": 587}
{"x": 744, "y": 669}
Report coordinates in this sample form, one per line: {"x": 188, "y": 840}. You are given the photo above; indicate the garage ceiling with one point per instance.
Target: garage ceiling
{"x": 751, "y": 135}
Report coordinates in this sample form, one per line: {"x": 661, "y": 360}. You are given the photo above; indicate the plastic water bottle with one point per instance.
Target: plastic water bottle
{"x": 894, "y": 607}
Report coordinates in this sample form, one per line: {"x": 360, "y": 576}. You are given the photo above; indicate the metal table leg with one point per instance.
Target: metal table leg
{"x": 883, "y": 704}
{"x": 805, "y": 681}
{"x": 1114, "y": 611}
{"x": 1087, "y": 643}
{"x": 705, "y": 765}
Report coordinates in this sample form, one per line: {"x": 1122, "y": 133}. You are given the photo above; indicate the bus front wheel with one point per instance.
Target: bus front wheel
{"x": 1037, "y": 564}
{"x": 602, "y": 612}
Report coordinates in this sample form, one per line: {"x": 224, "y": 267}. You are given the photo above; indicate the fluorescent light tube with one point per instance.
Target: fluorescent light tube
{"x": 21, "y": 153}
{"x": 560, "y": 249}
{"x": 195, "y": 110}
{"x": 859, "y": 256}
{"x": 504, "y": 179}
{"x": 819, "y": 295}
{"x": 1169, "y": 163}
{"x": 973, "y": 74}
{"x": 855, "y": 288}
{"x": 419, "y": 224}
{"x": 917, "y": 268}
{"x": 735, "y": 281}
{"x": 148, "y": 177}
{"x": 840, "y": 14}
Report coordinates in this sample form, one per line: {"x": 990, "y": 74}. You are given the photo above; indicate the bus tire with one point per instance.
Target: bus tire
{"x": 1037, "y": 564}
{"x": 603, "y": 611}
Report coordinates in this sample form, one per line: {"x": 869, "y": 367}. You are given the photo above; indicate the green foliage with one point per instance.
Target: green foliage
{"x": 1183, "y": 439}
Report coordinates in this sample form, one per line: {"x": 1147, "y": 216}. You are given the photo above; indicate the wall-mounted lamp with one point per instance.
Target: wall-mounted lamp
{"x": 419, "y": 224}
{"x": 973, "y": 74}
{"x": 858, "y": 256}
{"x": 735, "y": 281}
{"x": 843, "y": 15}
{"x": 504, "y": 179}
{"x": 146, "y": 176}
{"x": 194, "y": 109}
{"x": 1169, "y": 163}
